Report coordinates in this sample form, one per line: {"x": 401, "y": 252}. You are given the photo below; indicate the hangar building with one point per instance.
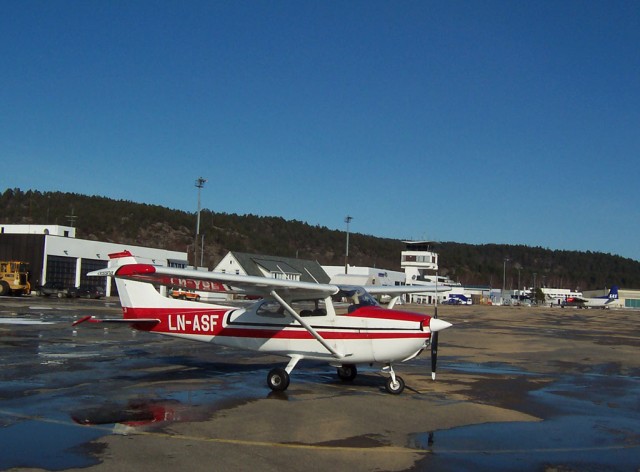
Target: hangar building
{"x": 55, "y": 254}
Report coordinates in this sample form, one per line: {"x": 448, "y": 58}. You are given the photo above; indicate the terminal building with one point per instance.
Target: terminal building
{"x": 55, "y": 254}
{"x": 356, "y": 275}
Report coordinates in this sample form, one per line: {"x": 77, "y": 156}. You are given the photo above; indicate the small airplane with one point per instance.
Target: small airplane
{"x": 366, "y": 334}
{"x": 597, "y": 302}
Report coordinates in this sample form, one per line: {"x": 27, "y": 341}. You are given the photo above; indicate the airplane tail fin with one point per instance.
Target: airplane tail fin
{"x": 145, "y": 308}
{"x": 134, "y": 293}
{"x": 613, "y": 293}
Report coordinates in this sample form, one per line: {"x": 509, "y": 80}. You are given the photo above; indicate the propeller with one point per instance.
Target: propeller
{"x": 435, "y": 325}
{"x": 434, "y": 347}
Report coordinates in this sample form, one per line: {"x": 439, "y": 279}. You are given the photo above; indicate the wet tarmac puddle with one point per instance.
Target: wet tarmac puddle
{"x": 60, "y": 389}
{"x": 594, "y": 425}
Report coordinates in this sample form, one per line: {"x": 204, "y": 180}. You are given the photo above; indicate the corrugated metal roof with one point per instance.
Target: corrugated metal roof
{"x": 310, "y": 271}
{"x": 276, "y": 266}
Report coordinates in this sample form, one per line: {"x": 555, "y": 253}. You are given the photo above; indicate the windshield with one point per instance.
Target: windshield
{"x": 357, "y": 297}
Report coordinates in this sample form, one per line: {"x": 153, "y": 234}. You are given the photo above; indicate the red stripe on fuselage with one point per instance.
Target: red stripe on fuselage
{"x": 301, "y": 333}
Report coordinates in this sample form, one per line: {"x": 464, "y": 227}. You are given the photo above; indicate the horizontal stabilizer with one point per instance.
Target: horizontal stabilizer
{"x": 91, "y": 319}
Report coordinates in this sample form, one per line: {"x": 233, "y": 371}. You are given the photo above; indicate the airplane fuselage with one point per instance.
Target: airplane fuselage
{"x": 369, "y": 334}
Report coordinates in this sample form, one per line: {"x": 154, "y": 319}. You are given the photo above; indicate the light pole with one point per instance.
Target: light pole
{"x": 199, "y": 183}
{"x": 519, "y": 292}
{"x": 347, "y": 219}
{"x": 504, "y": 276}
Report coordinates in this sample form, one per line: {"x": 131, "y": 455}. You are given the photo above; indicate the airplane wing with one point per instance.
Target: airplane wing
{"x": 401, "y": 289}
{"x": 246, "y": 284}
{"x": 219, "y": 282}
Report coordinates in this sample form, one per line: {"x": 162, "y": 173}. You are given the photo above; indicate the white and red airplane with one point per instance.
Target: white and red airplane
{"x": 366, "y": 334}
{"x": 597, "y": 302}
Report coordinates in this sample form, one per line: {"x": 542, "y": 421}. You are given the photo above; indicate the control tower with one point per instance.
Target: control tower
{"x": 420, "y": 263}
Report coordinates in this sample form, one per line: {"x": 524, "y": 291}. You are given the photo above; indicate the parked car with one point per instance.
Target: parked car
{"x": 52, "y": 288}
{"x": 184, "y": 294}
{"x": 452, "y": 301}
{"x": 86, "y": 291}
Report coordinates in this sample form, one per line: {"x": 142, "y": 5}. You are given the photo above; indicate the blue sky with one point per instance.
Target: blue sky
{"x": 476, "y": 122}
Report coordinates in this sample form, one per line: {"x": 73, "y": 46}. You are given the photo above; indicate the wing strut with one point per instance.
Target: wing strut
{"x": 305, "y": 325}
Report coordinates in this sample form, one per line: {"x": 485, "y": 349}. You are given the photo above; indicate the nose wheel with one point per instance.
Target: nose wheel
{"x": 395, "y": 384}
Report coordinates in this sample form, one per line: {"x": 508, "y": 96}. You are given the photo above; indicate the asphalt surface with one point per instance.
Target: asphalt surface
{"x": 517, "y": 389}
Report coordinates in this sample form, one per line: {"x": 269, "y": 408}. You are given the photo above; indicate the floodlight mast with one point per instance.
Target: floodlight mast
{"x": 504, "y": 278}
{"x": 199, "y": 184}
{"x": 347, "y": 219}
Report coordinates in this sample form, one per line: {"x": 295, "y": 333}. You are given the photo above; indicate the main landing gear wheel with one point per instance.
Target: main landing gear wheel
{"x": 347, "y": 372}
{"x": 278, "y": 379}
{"x": 396, "y": 387}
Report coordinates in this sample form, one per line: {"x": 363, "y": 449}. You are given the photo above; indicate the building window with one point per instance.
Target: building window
{"x": 89, "y": 265}
{"x": 284, "y": 276}
{"x": 62, "y": 270}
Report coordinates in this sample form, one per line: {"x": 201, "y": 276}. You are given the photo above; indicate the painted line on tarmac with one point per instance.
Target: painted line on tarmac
{"x": 24, "y": 321}
{"x": 385, "y": 449}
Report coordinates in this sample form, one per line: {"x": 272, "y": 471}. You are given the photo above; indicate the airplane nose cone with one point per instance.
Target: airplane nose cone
{"x": 437, "y": 324}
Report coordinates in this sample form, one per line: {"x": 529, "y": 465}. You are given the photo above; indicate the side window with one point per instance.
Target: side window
{"x": 271, "y": 309}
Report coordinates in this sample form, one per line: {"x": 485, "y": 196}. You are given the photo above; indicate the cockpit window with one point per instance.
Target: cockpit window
{"x": 270, "y": 308}
{"x": 357, "y": 297}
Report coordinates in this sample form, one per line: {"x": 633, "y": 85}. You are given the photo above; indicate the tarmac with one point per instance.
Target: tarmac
{"x": 518, "y": 388}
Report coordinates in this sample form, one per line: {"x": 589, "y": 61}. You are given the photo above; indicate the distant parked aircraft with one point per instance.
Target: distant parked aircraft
{"x": 597, "y": 302}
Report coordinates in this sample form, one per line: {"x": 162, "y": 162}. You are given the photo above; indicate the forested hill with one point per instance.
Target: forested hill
{"x": 104, "y": 219}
